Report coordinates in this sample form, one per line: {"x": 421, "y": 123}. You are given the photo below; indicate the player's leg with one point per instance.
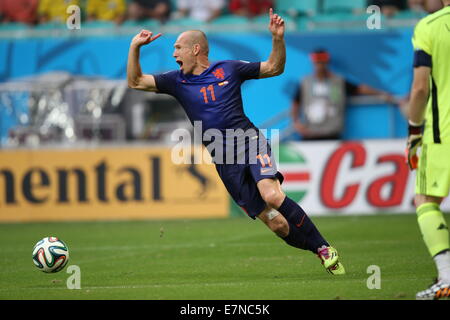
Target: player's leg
{"x": 435, "y": 234}
{"x": 303, "y": 234}
{"x": 301, "y": 231}
{"x": 432, "y": 184}
{"x": 432, "y": 225}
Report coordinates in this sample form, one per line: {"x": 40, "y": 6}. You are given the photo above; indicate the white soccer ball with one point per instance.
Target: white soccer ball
{"x": 50, "y": 254}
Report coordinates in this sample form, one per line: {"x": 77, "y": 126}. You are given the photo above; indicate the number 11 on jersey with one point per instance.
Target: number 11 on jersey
{"x": 205, "y": 90}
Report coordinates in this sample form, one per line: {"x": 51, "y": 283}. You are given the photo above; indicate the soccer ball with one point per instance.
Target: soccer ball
{"x": 50, "y": 255}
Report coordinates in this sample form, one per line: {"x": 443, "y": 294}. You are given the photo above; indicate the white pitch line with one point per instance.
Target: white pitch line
{"x": 196, "y": 284}
{"x": 145, "y": 286}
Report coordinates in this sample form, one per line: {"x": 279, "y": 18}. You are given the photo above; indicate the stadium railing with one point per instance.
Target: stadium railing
{"x": 337, "y": 20}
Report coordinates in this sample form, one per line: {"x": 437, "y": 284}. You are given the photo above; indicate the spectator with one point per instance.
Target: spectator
{"x": 54, "y": 10}
{"x": 149, "y": 9}
{"x": 201, "y": 10}
{"x": 318, "y": 108}
{"x": 106, "y": 10}
{"x": 24, "y": 11}
{"x": 416, "y": 5}
{"x": 389, "y": 8}
{"x": 250, "y": 8}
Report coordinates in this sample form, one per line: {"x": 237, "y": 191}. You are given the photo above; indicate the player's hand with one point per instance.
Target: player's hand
{"x": 414, "y": 142}
{"x": 276, "y": 24}
{"x": 144, "y": 37}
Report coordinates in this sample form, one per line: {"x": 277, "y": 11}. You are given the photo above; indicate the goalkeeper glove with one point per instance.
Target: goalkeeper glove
{"x": 414, "y": 142}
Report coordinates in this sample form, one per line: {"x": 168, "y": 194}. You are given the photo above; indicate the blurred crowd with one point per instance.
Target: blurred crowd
{"x": 34, "y": 12}
{"x": 391, "y": 7}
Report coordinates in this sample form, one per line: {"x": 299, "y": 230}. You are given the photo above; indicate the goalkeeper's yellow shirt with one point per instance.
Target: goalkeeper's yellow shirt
{"x": 432, "y": 35}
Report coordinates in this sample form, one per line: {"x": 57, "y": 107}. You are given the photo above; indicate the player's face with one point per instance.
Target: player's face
{"x": 184, "y": 54}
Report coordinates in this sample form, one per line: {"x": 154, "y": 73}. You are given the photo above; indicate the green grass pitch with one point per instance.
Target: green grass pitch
{"x": 216, "y": 259}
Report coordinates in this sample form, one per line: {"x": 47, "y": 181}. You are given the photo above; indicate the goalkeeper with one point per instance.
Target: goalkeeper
{"x": 429, "y": 127}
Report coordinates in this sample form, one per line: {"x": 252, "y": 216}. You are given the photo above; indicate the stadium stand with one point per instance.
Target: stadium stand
{"x": 24, "y": 11}
{"x": 296, "y": 8}
{"x": 306, "y": 15}
{"x": 351, "y": 6}
{"x": 249, "y": 8}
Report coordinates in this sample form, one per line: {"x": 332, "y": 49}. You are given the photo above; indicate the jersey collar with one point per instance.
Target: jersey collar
{"x": 193, "y": 76}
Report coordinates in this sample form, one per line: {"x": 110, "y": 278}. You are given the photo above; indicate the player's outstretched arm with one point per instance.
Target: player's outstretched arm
{"x": 274, "y": 66}
{"x": 136, "y": 79}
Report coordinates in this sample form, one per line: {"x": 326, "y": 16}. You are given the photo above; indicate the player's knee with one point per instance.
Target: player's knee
{"x": 273, "y": 198}
{"x": 420, "y": 199}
